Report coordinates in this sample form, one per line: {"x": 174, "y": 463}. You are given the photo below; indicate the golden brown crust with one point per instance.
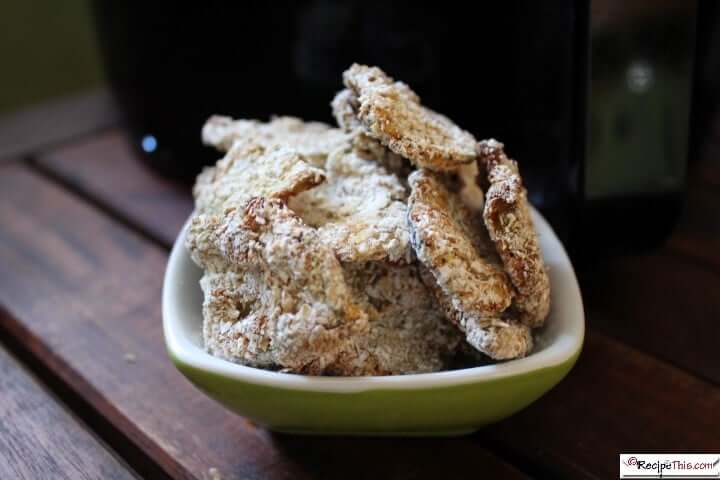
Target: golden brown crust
{"x": 407, "y": 332}
{"x": 308, "y": 240}
{"x": 250, "y": 169}
{"x": 470, "y": 191}
{"x": 275, "y": 295}
{"x": 499, "y": 337}
{"x": 391, "y": 112}
{"x": 344, "y": 106}
{"x": 507, "y": 216}
{"x": 462, "y": 269}
{"x": 447, "y": 240}
{"x": 359, "y": 211}
{"x": 313, "y": 140}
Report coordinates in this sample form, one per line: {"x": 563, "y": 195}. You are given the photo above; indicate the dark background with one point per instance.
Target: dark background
{"x": 557, "y": 83}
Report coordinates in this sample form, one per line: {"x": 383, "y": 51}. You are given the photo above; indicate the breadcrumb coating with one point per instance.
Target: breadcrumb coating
{"x": 446, "y": 237}
{"x": 359, "y": 211}
{"x": 280, "y": 299}
{"x": 325, "y": 253}
{"x": 392, "y": 113}
{"x": 500, "y": 337}
{"x": 507, "y": 216}
{"x": 344, "y": 107}
{"x": 470, "y": 192}
{"x": 313, "y": 140}
{"x": 462, "y": 269}
{"x": 407, "y": 331}
{"x": 250, "y": 169}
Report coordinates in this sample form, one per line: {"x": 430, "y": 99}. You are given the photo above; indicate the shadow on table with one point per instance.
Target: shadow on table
{"x": 390, "y": 457}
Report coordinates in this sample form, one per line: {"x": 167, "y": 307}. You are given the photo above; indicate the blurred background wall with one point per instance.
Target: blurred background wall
{"x": 48, "y": 49}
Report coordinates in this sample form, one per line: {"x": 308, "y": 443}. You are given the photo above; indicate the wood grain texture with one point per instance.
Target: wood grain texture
{"x": 39, "y": 439}
{"x": 56, "y": 121}
{"x": 106, "y": 168}
{"x": 82, "y": 292}
{"x": 615, "y": 400}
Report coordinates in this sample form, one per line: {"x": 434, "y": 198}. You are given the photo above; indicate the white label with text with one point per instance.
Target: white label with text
{"x": 670, "y": 465}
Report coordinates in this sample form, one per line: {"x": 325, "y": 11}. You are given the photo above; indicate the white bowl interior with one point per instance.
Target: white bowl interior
{"x": 561, "y": 337}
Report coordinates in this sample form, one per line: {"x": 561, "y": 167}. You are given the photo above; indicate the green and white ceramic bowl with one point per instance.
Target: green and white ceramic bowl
{"x": 443, "y": 403}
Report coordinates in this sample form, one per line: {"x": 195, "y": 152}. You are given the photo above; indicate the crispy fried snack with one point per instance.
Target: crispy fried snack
{"x": 507, "y": 216}
{"x": 313, "y": 140}
{"x": 470, "y": 192}
{"x": 500, "y": 337}
{"x": 447, "y": 239}
{"x": 462, "y": 269}
{"x": 279, "y": 299}
{"x": 308, "y": 240}
{"x": 391, "y": 113}
{"x": 344, "y": 106}
{"x": 407, "y": 331}
{"x": 250, "y": 169}
{"x": 359, "y": 211}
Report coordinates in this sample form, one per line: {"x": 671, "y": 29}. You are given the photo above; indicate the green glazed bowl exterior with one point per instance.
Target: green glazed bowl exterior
{"x": 443, "y": 403}
{"x": 452, "y": 410}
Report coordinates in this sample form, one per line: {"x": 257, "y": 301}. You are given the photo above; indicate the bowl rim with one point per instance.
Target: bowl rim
{"x": 566, "y": 344}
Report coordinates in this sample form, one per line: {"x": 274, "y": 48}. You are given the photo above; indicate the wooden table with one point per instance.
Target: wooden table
{"x": 87, "y": 390}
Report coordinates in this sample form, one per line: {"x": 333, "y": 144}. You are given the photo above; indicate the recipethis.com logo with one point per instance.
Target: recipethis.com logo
{"x": 670, "y": 465}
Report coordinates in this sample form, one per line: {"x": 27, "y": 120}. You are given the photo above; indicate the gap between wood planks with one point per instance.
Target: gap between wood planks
{"x": 66, "y": 395}
{"x": 105, "y": 207}
{"x": 43, "y": 437}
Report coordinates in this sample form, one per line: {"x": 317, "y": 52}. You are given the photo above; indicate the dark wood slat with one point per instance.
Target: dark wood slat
{"x": 663, "y": 304}
{"x": 615, "y": 400}
{"x": 707, "y": 172}
{"x": 82, "y": 291}
{"x": 697, "y": 234}
{"x": 702, "y": 248}
{"x": 666, "y": 302}
{"x": 39, "y": 439}
{"x": 700, "y": 215}
{"x": 56, "y": 121}
{"x": 106, "y": 168}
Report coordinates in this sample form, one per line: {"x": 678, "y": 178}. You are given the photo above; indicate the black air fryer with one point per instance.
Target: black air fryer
{"x": 592, "y": 98}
